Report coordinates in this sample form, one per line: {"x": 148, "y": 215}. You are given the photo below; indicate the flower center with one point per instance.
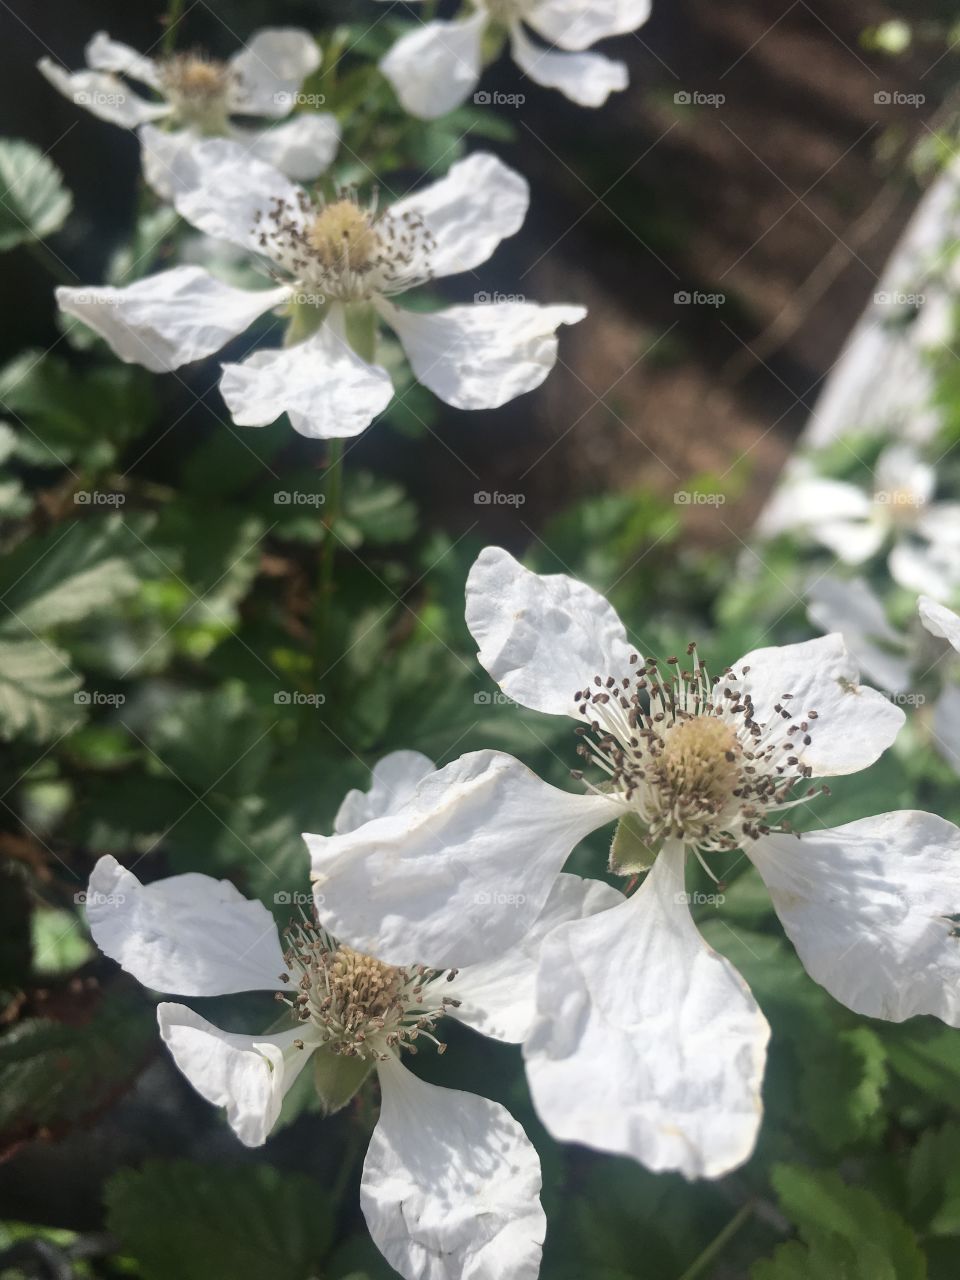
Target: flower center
{"x": 343, "y": 238}
{"x": 687, "y": 754}
{"x": 198, "y": 89}
{"x": 506, "y": 12}
{"x": 359, "y": 1006}
{"x": 343, "y": 251}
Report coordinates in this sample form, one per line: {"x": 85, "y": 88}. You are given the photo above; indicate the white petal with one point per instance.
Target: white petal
{"x": 459, "y": 872}
{"x": 946, "y": 726}
{"x": 854, "y": 724}
{"x": 104, "y": 54}
{"x": 647, "y": 1043}
{"x": 867, "y": 906}
{"x": 302, "y": 147}
{"x": 585, "y": 78}
{"x": 248, "y": 1075}
{"x": 170, "y": 160}
{"x": 571, "y": 24}
{"x": 940, "y": 522}
{"x": 940, "y": 621}
{"x": 542, "y": 637}
{"x": 104, "y": 95}
{"x": 271, "y": 68}
{"x": 225, "y": 190}
{"x": 480, "y": 357}
{"x": 167, "y": 320}
{"x": 393, "y": 781}
{"x": 849, "y": 606}
{"x": 451, "y": 1184}
{"x": 499, "y": 995}
{"x": 852, "y": 541}
{"x": 436, "y": 66}
{"x": 190, "y": 935}
{"x": 807, "y": 500}
{"x": 479, "y": 202}
{"x": 323, "y": 386}
{"x": 932, "y": 570}
{"x": 900, "y": 471}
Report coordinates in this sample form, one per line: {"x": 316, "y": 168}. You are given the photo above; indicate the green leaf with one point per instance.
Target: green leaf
{"x": 60, "y": 943}
{"x": 841, "y": 1086}
{"x": 848, "y": 1233}
{"x": 36, "y": 690}
{"x": 34, "y": 203}
{"x": 219, "y": 1222}
{"x": 54, "y": 1074}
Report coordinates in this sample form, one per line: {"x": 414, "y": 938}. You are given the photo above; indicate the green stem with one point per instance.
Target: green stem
{"x": 334, "y": 493}
{"x": 171, "y": 22}
{"x": 719, "y": 1242}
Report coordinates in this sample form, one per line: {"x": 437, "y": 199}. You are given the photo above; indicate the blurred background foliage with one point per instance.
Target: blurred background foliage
{"x": 183, "y": 680}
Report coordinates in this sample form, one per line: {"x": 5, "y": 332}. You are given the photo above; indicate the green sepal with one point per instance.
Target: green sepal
{"x": 630, "y": 852}
{"x": 337, "y": 1077}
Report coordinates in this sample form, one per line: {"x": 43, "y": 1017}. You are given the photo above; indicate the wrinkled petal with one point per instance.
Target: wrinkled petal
{"x": 225, "y": 191}
{"x": 189, "y": 935}
{"x": 451, "y": 1184}
{"x": 648, "y": 1043}
{"x": 436, "y": 66}
{"x": 940, "y": 621}
{"x": 481, "y": 357}
{"x": 302, "y": 148}
{"x": 323, "y": 386}
{"x": 248, "y": 1075}
{"x": 585, "y": 78}
{"x": 270, "y": 70}
{"x": 168, "y": 159}
{"x": 867, "y": 906}
{"x": 104, "y": 95}
{"x": 461, "y": 871}
{"x": 849, "y": 606}
{"x": 498, "y": 995}
{"x": 571, "y": 24}
{"x": 169, "y": 319}
{"x": 393, "y": 781}
{"x": 946, "y": 726}
{"x": 853, "y": 725}
{"x": 104, "y": 54}
{"x": 542, "y": 637}
{"x": 479, "y": 202}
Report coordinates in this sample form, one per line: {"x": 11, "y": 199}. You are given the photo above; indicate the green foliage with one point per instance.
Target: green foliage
{"x": 35, "y": 202}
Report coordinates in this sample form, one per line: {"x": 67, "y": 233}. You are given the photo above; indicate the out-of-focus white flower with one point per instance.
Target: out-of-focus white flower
{"x": 898, "y": 661}
{"x": 438, "y": 65}
{"x": 923, "y": 535}
{"x": 646, "y": 1041}
{"x": 198, "y": 96}
{"x": 342, "y": 263}
{"x": 450, "y": 1183}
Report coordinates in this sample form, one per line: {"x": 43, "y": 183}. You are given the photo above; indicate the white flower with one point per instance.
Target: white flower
{"x": 450, "y": 1182}
{"x": 898, "y": 661}
{"x": 197, "y": 96}
{"x": 342, "y": 264}
{"x": 646, "y": 1041}
{"x": 856, "y": 525}
{"x": 437, "y": 66}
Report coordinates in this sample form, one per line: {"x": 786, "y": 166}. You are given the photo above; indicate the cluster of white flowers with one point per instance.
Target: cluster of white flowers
{"x": 441, "y": 892}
